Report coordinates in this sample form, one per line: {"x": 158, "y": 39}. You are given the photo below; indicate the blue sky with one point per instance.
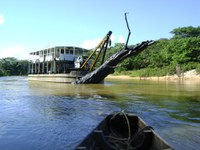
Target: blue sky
{"x": 27, "y": 26}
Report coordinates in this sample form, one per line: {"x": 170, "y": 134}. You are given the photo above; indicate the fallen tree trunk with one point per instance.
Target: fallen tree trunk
{"x": 109, "y": 65}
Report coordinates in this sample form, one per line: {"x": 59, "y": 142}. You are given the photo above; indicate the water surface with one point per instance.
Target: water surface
{"x": 48, "y": 116}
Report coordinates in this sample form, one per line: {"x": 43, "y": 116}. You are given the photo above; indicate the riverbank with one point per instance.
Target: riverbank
{"x": 188, "y": 77}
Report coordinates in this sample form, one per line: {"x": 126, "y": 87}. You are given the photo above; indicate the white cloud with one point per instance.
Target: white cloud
{"x": 2, "y": 20}
{"x": 18, "y": 51}
{"x": 112, "y": 38}
{"x": 117, "y": 39}
{"x": 89, "y": 44}
{"x": 121, "y": 39}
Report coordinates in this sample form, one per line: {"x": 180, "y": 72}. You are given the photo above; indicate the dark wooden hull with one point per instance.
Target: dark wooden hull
{"x": 123, "y": 131}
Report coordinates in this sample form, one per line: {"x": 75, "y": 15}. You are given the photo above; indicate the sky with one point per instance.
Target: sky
{"x": 32, "y": 25}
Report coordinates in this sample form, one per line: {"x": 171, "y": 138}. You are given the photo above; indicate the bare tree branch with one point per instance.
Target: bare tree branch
{"x": 108, "y": 66}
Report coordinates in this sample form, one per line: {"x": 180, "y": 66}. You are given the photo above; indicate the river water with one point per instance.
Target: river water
{"x": 49, "y": 116}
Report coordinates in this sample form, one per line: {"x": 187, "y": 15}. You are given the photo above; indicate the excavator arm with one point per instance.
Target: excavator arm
{"x": 102, "y": 47}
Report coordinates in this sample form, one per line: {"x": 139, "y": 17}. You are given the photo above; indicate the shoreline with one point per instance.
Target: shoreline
{"x": 188, "y": 77}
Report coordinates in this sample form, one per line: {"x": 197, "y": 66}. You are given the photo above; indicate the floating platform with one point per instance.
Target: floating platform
{"x": 57, "y": 78}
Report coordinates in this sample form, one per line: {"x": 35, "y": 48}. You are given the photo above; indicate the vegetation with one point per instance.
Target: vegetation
{"x": 12, "y": 66}
{"x": 166, "y": 56}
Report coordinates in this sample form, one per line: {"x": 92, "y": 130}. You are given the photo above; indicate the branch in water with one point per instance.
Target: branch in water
{"x": 108, "y": 66}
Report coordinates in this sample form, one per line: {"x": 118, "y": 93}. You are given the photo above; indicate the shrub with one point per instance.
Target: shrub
{"x": 198, "y": 68}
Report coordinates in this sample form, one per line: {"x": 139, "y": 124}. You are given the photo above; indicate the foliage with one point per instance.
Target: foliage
{"x": 114, "y": 49}
{"x": 179, "y": 51}
{"x": 163, "y": 57}
{"x": 186, "y": 32}
{"x": 146, "y": 72}
{"x": 12, "y": 66}
{"x": 198, "y": 68}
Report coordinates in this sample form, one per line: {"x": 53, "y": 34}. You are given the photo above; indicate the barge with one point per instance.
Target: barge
{"x": 66, "y": 64}
{"x": 57, "y": 64}
{"x": 71, "y": 65}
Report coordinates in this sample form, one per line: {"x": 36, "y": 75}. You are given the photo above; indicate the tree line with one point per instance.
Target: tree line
{"x": 167, "y": 56}
{"x": 12, "y": 66}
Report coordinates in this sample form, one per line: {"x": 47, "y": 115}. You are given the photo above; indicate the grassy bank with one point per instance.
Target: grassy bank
{"x": 188, "y": 77}
{"x": 165, "y": 71}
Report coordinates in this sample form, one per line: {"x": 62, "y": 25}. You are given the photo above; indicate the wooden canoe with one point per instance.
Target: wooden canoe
{"x": 123, "y": 131}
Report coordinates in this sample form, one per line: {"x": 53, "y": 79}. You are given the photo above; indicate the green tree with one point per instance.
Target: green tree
{"x": 13, "y": 66}
{"x": 22, "y": 67}
{"x": 112, "y": 50}
{"x": 150, "y": 57}
{"x": 182, "y": 50}
{"x": 185, "y": 32}
{"x": 179, "y": 51}
{"x": 157, "y": 54}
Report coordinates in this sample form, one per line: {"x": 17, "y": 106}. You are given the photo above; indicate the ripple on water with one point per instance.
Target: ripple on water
{"x": 58, "y": 116}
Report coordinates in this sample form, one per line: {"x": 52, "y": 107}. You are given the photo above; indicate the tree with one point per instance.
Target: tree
{"x": 185, "y": 32}
{"x": 157, "y": 54}
{"x": 13, "y": 66}
{"x": 193, "y": 46}
{"x": 183, "y": 50}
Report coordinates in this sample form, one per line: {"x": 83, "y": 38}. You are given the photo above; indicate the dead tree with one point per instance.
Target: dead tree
{"x": 109, "y": 65}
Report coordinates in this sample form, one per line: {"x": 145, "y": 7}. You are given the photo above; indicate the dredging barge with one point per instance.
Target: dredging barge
{"x": 57, "y": 64}
{"x": 65, "y": 64}
{"x": 77, "y": 65}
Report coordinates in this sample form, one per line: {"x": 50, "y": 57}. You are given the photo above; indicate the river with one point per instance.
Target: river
{"x": 49, "y": 116}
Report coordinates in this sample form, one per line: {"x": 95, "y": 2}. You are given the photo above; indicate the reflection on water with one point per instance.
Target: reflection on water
{"x": 37, "y": 115}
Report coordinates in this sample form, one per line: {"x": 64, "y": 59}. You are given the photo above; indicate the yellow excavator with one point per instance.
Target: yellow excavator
{"x": 90, "y": 62}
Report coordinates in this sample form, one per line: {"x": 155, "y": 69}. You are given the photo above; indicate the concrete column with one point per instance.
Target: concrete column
{"x": 43, "y": 67}
{"x": 38, "y": 67}
{"x": 47, "y": 67}
{"x": 32, "y": 68}
{"x": 54, "y": 61}
{"x": 35, "y": 67}
{"x": 73, "y": 51}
